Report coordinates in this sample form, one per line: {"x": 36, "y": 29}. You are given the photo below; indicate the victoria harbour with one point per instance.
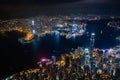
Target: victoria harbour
{"x": 61, "y": 45}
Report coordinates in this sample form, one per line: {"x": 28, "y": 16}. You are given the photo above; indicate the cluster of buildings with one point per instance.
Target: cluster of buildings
{"x": 114, "y": 24}
{"x": 81, "y": 64}
{"x": 66, "y": 25}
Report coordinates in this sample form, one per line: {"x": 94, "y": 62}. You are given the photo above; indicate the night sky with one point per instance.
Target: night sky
{"x": 28, "y": 8}
{"x": 54, "y": 1}
{"x": 35, "y": 1}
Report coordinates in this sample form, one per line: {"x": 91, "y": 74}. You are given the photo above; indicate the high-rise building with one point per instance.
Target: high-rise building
{"x": 92, "y": 40}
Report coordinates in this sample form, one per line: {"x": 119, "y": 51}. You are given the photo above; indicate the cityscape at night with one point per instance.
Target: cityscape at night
{"x": 59, "y": 40}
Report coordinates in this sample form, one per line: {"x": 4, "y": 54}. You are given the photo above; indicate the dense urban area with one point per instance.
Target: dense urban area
{"x": 80, "y": 64}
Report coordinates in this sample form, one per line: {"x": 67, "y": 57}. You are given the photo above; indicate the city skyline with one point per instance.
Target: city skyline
{"x": 86, "y": 32}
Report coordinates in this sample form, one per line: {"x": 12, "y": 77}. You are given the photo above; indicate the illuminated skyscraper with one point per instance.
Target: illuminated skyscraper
{"x": 92, "y": 40}
{"x": 33, "y": 27}
{"x": 33, "y": 22}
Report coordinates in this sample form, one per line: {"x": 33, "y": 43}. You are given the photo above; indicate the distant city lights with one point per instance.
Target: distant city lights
{"x": 44, "y": 60}
{"x": 52, "y": 57}
{"x": 110, "y": 51}
{"x": 103, "y": 51}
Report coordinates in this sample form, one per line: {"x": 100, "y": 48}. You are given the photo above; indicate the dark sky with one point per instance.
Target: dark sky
{"x": 35, "y": 1}
{"x": 53, "y": 1}
{"x": 11, "y": 8}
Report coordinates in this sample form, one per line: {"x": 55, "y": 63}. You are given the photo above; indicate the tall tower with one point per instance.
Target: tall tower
{"x": 33, "y": 27}
{"x": 34, "y": 30}
{"x": 92, "y": 40}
